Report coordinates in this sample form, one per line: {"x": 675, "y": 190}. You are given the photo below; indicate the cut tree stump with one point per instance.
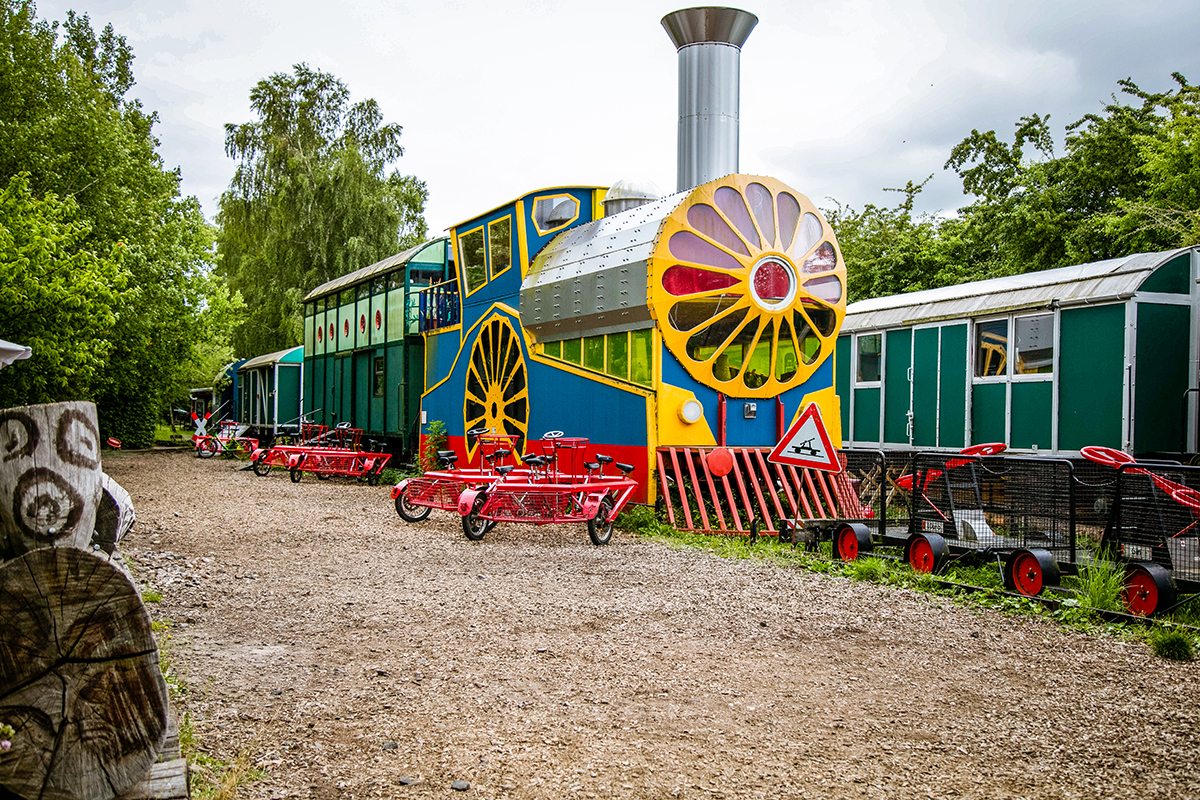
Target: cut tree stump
{"x": 49, "y": 477}
{"x": 79, "y": 678}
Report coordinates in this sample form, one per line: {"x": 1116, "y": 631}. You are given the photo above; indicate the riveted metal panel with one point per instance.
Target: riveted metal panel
{"x": 592, "y": 279}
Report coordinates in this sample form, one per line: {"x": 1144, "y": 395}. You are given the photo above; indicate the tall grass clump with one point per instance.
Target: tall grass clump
{"x": 1101, "y": 585}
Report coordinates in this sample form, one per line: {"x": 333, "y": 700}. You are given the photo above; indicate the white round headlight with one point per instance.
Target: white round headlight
{"x": 690, "y": 410}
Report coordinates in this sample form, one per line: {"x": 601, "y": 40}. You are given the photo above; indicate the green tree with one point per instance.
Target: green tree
{"x": 65, "y": 121}
{"x": 1112, "y": 193}
{"x": 55, "y": 297}
{"x": 311, "y": 200}
{"x": 890, "y": 250}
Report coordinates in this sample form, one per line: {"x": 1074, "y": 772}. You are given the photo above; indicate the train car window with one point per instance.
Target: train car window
{"x": 593, "y": 353}
{"x": 870, "y": 352}
{"x": 1035, "y": 344}
{"x": 347, "y": 296}
{"x": 395, "y": 280}
{"x": 552, "y": 213}
{"x": 991, "y": 348}
{"x": 641, "y": 362}
{"x": 474, "y": 258}
{"x": 308, "y": 309}
{"x": 363, "y": 290}
{"x": 553, "y": 349}
{"x": 379, "y": 285}
{"x": 379, "y": 377}
{"x": 572, "y": 350}
{"x": 617, "y": 357}
{"x": 500, "y": 245}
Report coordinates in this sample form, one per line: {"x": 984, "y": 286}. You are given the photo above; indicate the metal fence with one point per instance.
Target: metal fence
{"x": 1155, "y": 517}
{"x": 996, "y": 502}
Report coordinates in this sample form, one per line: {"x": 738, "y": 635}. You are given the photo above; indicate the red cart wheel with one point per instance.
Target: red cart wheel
{"x": 1031, "y": 571}
{"x": 474, "y": 526}
{"x": 1148, "y": 589}
{"x": 600, "y": 528}
{"x": 851, "y": 540}
{"x": 207, "y": 447}
{"x": 925, "y": 552}
{"x": 1106, "y": 456}
{"x": 409, "y": 511}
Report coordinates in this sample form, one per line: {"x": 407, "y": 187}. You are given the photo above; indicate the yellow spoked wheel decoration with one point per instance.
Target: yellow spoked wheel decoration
{"x": 497, "y": 391}
{"x": 748, "y": 286}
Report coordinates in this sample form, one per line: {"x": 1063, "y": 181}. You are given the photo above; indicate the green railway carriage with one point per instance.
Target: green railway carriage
{"x": 1048, "y": 362}
{"x": 363, "y": 352}
{"x": 268, "y": 393}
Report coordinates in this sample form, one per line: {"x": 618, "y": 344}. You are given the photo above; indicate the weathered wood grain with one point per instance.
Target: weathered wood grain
{"x": 79, "y": 678}
{"x": 49, "y": 477}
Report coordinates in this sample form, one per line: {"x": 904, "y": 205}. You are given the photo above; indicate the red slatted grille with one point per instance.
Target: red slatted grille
{"x": 696, "y": 500}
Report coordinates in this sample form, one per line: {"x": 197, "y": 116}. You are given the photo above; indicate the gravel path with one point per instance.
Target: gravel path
{"x": 351, "y": 653}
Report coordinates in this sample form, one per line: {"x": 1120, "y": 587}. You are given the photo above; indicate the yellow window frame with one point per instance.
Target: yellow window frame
{"x": 534, "y": 207}
{"x": 491, "y": 262}
{"x": 458, "y": 245}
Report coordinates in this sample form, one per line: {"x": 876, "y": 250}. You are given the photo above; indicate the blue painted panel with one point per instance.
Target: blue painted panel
{"x": 741, "y": 432}
{"x": 579, "y": 406}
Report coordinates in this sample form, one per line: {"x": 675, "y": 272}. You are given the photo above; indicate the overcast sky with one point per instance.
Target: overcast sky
{"x": 839, "y": 99}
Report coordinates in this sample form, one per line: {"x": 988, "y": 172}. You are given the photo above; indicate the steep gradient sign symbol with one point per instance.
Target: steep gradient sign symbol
{"x": 806, "y": 444}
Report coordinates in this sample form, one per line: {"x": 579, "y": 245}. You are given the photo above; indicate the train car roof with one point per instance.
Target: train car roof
{"x": 1112, "y": 279}
{"x": 359, "y": 275}
{"x": 292, "y": 355}
{"x": 522, "y": 197}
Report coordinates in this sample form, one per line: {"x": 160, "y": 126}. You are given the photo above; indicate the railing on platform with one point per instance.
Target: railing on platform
{"x": 438, "y": 306}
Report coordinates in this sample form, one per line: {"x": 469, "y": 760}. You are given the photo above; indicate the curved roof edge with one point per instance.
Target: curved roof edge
{"x": 385, "y": 265}
{"x": 1115, "y": 278}
{"x": 292, "y": 355}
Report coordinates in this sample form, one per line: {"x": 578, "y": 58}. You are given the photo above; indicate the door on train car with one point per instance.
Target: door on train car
{"x": 939, "y": 386}
{"x": 362, "y": 390}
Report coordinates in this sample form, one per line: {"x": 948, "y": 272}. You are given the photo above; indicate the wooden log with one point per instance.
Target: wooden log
{"x": 79, "y": 678}
{"x": 114, "y": 516}
{"x": 166, "y": 780}
{"x": 49, "y": 477}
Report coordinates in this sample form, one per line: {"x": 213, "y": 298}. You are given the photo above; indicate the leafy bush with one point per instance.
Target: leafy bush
{"x": 435, "y": 439}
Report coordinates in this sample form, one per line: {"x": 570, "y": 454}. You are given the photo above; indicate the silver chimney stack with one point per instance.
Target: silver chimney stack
{"x": 710, "y": 42}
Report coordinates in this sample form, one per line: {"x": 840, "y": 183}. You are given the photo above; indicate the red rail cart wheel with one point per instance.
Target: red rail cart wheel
{"x": 1030, "y": 571}
{"x": 1148, "y": 589}
{"x": 409, "y": 512}
{"x": 207, "y": 448}
{"x": 850, "y": 540}
{"x": 925, "y": 552}
{"x": 296, "y": 473}
{"x": 475, "y": 526}
{"x": 261, "y": 467}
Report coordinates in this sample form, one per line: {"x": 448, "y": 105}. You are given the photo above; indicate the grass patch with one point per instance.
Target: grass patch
{"x": 1172, "y": 644}
{"x": 151, "y": 596}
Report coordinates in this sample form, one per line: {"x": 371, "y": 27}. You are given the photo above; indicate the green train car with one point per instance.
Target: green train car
{"x": 363, "y": 352}
{"x": 1046, "y": 362}
{"x": 268, "y": 391}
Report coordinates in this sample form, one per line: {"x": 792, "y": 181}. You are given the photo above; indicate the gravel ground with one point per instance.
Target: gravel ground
{"x": 355, "y": 656}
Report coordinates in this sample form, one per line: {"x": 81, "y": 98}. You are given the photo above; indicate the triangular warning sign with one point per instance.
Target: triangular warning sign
{"x": 806, "y": 444}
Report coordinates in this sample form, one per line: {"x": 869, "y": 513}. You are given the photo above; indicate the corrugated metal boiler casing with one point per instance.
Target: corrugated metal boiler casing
{"x": 592, "y": 279}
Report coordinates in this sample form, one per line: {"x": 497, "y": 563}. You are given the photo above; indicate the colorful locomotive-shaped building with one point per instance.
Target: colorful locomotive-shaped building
{"x": 706, "y": 317}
